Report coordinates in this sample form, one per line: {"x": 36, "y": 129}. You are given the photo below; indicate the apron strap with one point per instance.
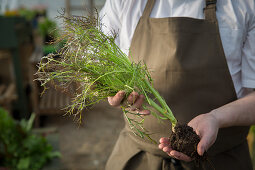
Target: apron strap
{"x": 148, "y": 8}
{"x": 210, "y": 10}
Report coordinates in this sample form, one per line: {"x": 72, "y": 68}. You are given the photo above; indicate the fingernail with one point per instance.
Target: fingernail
{"x": 201, "y": 151}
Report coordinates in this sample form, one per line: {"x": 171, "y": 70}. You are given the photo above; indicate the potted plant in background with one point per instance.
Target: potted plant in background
{"x": 20, "y": 149}
{"x": 49, "y": 32}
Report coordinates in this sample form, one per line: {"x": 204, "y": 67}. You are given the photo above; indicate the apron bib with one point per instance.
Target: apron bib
{"x": 190, "y": 71}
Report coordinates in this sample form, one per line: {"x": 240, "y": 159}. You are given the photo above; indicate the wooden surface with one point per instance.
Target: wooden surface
{"x": 53, "y": 102}
{"x": 7, "y": 95}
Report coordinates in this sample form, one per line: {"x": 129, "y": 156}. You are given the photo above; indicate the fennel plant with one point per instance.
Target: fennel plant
{"x": 91, "y": 58}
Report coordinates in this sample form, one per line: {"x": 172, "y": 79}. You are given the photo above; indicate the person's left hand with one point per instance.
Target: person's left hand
{"x": 206, "y": 127}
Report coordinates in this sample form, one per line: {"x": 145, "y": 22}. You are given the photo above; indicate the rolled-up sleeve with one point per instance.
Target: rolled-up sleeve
{"x": 110, "y": 17}
{"x": 248, "y": 57}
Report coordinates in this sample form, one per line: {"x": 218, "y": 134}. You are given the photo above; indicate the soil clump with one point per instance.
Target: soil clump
{"x": 185, "y": 140}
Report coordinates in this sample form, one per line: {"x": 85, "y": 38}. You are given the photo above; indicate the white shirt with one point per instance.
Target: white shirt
{"x": 236, "y": 20}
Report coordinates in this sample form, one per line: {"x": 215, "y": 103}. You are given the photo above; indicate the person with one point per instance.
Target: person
{"x": 202, "y": 58}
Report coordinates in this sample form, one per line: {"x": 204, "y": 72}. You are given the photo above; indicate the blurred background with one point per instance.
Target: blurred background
{"x": 33, "y": 127}
{"x": 26, "y": 29}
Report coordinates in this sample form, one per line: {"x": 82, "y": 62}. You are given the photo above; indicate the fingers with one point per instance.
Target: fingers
{"x": 134, "y": 99}
{"x": 203, "y": 145}
{"x": 167, "y": 149}
{"x": 200, "y": 149}
{"x": 116, "y": 100}
{"x": 180, "y": 156}
{"x": 162, "y": 146}
{"x": 138, "y": 103}
{"x": 165, "y": 146}
{"x": 144, "y": 112}
{"x": 164, "y": 140}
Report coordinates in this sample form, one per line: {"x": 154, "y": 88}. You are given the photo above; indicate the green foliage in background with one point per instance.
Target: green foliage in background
{"x": 19, "y": 148}
{"x": 251, "y": 141}
{"x": 48, "y": 27}
{"x": 252, "y": 129}
{"x": 27, "y": 13}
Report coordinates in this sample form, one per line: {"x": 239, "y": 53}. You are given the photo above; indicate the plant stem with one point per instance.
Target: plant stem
{"x": 164, "y": 109}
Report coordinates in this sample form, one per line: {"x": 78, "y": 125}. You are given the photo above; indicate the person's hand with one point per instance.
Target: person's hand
{"x": 165, "y": 146}
{"x": 135, "y": 101}
{"x": 206, "y": 127}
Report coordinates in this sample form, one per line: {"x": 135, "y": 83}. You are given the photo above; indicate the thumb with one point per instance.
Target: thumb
{"x": 202, "y": 145}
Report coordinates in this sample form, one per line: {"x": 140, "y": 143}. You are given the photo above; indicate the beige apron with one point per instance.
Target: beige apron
{"x": 190, "y": 71}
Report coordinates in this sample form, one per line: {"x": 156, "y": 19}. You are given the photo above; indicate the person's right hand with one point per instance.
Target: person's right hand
{"x": 206, "y": 127}
{"x": 135, "y": 102}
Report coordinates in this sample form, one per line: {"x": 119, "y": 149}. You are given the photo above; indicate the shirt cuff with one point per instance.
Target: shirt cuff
{"x": 248, "y": 84}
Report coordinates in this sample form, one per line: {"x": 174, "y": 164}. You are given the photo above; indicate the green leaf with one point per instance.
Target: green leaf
{"x": 24, "y": 163}
{"x": 55, "y": 154}
{"x": 30, "y": 122}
